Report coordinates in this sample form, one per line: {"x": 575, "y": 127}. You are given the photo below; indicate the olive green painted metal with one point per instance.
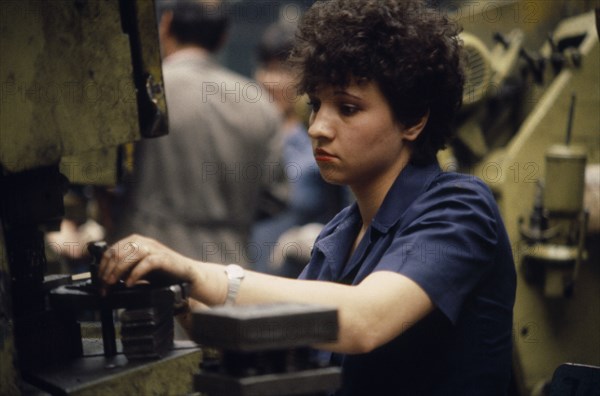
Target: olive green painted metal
{"x": 162, "y": 377}
{"x": 90, "y": 376}
{"x": 67, "y": 81}
{"x": 551, "y": 331}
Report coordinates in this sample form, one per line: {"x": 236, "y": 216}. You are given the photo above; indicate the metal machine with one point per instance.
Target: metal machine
{"x": 265, "y": 350}
{"x": 79, "y": 78}
{"x": 530, "y": 128}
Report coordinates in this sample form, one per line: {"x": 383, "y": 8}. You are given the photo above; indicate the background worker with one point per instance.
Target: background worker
{"x": 200, "y": 188}
{"x": 311, "y": 200}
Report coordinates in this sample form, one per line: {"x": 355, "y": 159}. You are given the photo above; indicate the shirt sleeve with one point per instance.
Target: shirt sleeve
{"x": 446, "y": 243}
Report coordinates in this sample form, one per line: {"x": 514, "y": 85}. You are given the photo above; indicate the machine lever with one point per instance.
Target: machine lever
{"x": 109, "y": 343}
{"x": 96, "y": 250}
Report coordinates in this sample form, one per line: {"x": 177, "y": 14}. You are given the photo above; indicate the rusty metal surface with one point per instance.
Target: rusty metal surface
{"x": 67, "y": 84}
{"x": 97, "y": 375}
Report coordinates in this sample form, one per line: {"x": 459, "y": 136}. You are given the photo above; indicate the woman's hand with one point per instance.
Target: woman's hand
{"x": 132, "y": 258}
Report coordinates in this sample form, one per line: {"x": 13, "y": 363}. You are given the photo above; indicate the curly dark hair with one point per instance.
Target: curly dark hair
{"x": 411, "y": 51}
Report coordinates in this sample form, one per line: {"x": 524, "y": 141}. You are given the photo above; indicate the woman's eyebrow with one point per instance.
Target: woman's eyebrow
{"x": 346, "y": 93}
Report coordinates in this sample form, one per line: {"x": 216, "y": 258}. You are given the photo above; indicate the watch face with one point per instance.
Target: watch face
{"x": 234, "y": 271}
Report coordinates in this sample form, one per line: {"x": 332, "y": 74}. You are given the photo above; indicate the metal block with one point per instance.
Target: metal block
{"x": 265, "y": 327}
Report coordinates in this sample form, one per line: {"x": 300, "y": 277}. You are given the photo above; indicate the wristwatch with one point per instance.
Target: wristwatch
{"x": 235, "y": 274}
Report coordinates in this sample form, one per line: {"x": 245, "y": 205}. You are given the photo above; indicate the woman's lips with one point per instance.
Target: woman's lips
{"x": 323, "y": 155}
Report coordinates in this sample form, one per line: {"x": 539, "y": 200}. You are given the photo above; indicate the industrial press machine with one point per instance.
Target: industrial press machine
{"x": 81, "y": 78}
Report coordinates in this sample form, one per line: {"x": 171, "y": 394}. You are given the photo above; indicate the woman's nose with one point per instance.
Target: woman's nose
{"x": 320, "y": 125}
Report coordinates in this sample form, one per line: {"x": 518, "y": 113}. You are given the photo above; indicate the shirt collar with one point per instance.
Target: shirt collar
{"x": 340, "y": 233}
{"x": 412, "y": 182}
{"x": 186, "y": 55}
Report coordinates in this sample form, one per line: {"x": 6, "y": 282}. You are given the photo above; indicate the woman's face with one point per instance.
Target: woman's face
{"x": 355, "y": 139}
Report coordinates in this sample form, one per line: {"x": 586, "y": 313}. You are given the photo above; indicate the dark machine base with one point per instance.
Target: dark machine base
{"x": 320, "y": 381}
{"x": 117, "y": 375}
{"x": 264, "y": 350}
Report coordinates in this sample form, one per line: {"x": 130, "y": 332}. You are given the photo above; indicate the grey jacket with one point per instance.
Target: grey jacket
{"x": 199, "y": 188}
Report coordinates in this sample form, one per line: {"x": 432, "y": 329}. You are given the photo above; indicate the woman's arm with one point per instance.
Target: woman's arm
{"x": 372, "y": 313}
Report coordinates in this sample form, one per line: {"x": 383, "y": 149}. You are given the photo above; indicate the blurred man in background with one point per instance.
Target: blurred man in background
{"x": 312, "y": 200}
{"x": 201, "y": 187}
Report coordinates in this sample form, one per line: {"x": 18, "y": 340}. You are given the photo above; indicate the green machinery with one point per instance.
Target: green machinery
{"x": 530, "y": 129}
{"x": 79, "y": 78}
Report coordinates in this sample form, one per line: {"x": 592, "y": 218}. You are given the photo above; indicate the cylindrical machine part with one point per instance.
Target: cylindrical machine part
{"x": 565, "y": 179}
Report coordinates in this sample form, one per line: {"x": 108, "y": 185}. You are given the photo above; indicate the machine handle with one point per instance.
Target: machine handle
{"x": 96, "y": 250}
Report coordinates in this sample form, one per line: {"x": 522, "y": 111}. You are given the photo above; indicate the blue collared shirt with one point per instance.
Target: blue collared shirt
{"x": 443, "y": 231}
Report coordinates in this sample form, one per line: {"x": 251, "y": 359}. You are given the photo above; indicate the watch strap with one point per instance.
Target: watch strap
{"x": 235, "y": 274}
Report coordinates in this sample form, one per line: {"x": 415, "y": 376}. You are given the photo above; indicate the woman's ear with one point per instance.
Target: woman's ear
{"x": 412, "y": 132}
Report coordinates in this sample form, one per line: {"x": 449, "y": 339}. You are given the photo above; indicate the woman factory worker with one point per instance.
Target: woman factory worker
{"x": 420, "y": 266}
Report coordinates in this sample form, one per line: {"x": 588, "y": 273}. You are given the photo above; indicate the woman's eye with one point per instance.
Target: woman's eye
{"x": 348, "y": 109}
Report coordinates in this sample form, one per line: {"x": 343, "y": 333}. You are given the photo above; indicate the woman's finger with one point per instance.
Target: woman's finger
{"x": 129, "y": 257}
{"x": 148, "y": 264}
{"x": 122, "y": 257}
